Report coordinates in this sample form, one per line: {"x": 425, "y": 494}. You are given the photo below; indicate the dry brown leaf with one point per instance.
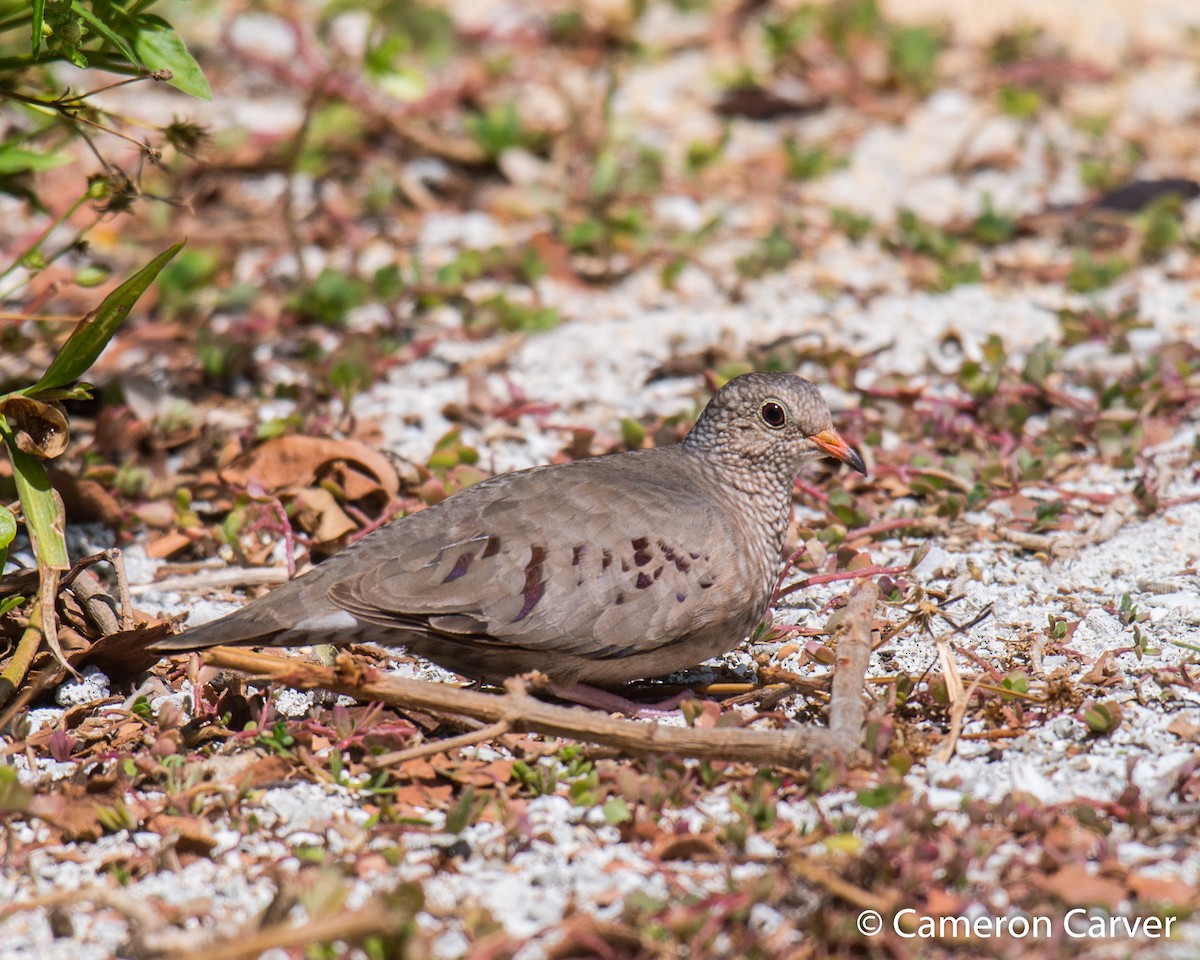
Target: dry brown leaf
{"x": 86, "y": 501}
{"x": 295, "y": 461}
{"x": 169, "y": 544}
{"x": 318, "y": 514}
{"x": 700, "y": 847}
{"x": 266, "y": 770}
{"x": 1169, "y": 890}
{"x": 1185, "y": 729}
{"x": 40, "y": 429}
{"x": 1076, "y": 886}
{"x": 192, "y": 835}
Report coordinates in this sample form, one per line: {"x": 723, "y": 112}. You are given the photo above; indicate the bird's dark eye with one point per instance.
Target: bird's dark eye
{"x": 773, "y": 413}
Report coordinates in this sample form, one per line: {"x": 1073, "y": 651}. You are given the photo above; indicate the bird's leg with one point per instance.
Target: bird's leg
{"x": 588, "y": 696}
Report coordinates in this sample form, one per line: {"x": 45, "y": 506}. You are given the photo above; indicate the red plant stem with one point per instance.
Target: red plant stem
{"x": 872, "y": 571}
{"x": 787, "y": 568}
{"x": 818, "y": 495}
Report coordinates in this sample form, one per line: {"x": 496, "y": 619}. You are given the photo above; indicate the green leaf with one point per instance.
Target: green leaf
{"x": 14, "y": 795}
{"x": 161, "y": 48}
{"x": 884, "y": 795}
{"x": 44, "y": 518}
{"x": 616, "y": 811}
{"x": 102, "y": 29}
{"x": 95, "y": 330}
{"x": 8, "y": 530}
{"x": 39, "y": 17}
{"x": 16, "y": 160}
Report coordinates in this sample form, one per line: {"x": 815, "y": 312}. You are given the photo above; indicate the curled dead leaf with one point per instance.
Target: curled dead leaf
{"x": 294, "y": 461}
{"x": 697, "y": 847}
{"x": 318, "y": 514}
{"x": 40, "y": 428}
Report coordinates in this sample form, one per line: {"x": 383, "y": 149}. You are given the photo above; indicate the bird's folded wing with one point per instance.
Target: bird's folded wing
{"x": 534, "y": 571}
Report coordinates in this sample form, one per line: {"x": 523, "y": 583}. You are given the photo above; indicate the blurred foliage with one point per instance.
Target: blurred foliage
{"x": 40, "y": 42}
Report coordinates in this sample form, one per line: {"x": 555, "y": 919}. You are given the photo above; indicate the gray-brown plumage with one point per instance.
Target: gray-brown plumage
{"x": 597, "y": 571}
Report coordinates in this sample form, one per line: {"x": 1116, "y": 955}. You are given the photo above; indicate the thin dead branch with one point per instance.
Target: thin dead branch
{"x": 522, "y": 713}
{"x": 846, "y": 711}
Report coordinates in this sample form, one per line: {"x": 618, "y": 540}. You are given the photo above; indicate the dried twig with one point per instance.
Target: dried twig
{"x": 958, "y": 710}
{"x": 526, "y": 714}
{"x": 96, "y": 603}
{"x": 377, "y": 918}
{"x": 523, "y": 713}
{"x": 430, "y": 747}
{"x": 814, "y": 873}
{"x": 215, "y": 579}
{"x": 853, "y": 652}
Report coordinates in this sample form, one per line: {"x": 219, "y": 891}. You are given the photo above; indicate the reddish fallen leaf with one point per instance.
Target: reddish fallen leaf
{"x": 298, "y": 462}
{"x": 191, "y": 835}
{"x": 1166, "y": 890}
{"x": 1185, "y": 729}
{"x": 701, "y": 847}
{"x": 86, "y": 501}
{"x": 1076, "y": 886}
{"x": 267, "y": 770}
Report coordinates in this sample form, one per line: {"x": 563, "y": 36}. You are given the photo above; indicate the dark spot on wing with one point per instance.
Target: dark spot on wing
{"x": 641, "y": 553}
{"x": 492, "y": 548}
{"x": 620, "y": 599}
{"x": 694, "y": 556}
{"x": 460, "y": 567}
{"x": 624, "y": 566}
{"x": 643, "y": 581}
{"x": 680, "y": 597}
{"x": 534, "y": 584}
{"x": 577, "y": 555}
{"x": 605, "y": 559}
{"x": 658, "y": 572}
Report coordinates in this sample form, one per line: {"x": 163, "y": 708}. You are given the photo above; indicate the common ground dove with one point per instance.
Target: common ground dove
{"x": 597, "y": 571}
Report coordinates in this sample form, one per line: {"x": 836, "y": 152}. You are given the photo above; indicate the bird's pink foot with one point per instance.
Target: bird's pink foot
{"x": 588, "y": 696}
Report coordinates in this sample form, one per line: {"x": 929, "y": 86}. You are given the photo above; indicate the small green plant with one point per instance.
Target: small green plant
{"x": 1089, "y": 274}
{"x": 569, "y": 766}
{"x": 278, "y": 740}
{"x": 844, "y": 21}
{"x": 499, "y": 128}
{"x": 912, "y": 55}
{"x": 14, "y": 795}
{"x": 499, "y": 312}
{"x": 1102, "y": 718}
{"x": 772, "y": 253}
{"x": 34, "y": 428}
{"x": 1021, "y": 103}
{"x": 1161, "y": 225}
{"x": 783, "y": 36}
{"x": 330, "y": 297}
{"x": 991, "y": 228}
{"x": 1014, "y": 46}
{"x": 917, "y": 236}
{"x": 854, "y": 225}
{"x": 1108, "y": 168}
{"x": 703, "y": 153}
{"x": 809, "y": 163}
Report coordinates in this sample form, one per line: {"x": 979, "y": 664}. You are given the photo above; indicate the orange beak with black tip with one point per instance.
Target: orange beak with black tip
{"x": 832, "y": 443}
